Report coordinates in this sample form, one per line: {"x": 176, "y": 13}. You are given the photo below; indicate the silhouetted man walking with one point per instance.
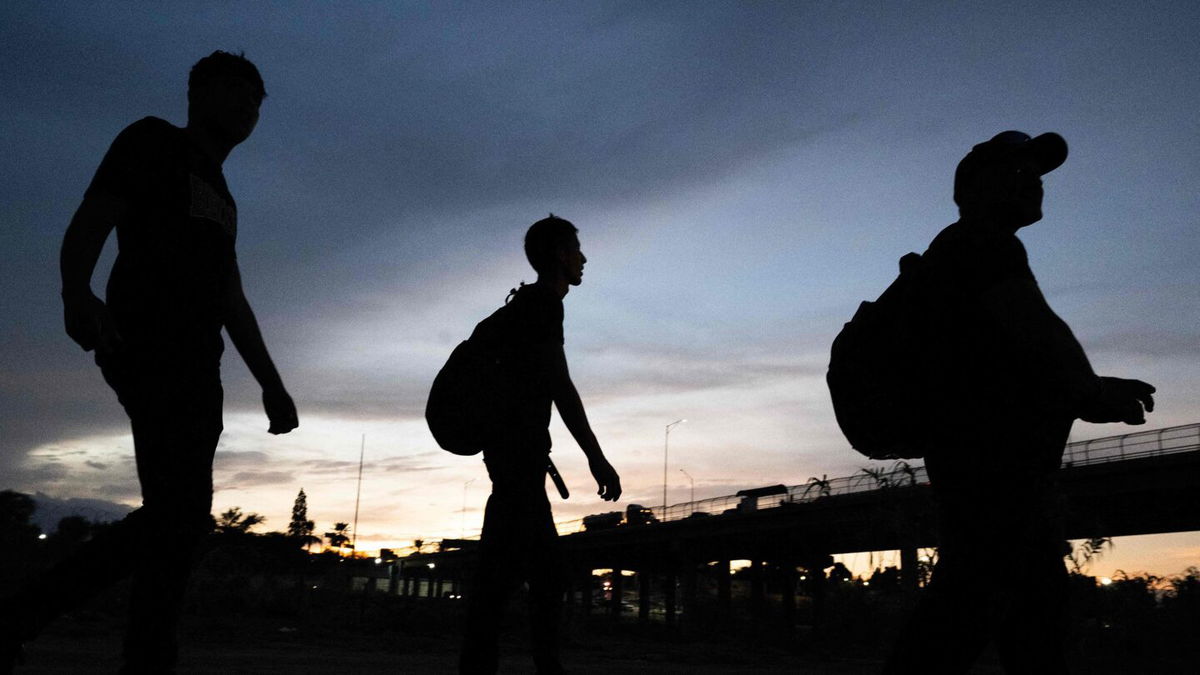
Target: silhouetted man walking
{"x": 1007, "y": 379}
{"x": 519, "y": 541}
{"x": 157, "y": 338}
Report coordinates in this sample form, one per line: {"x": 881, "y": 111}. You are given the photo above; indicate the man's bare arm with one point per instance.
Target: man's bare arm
{"x": 87, "y": 318}
{"x": 570, "y": 408}
{"x": 243, "y": 330}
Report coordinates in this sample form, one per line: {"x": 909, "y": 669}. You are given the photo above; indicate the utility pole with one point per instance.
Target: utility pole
{"x": 354, "y": 533}
{"x": 693, "y": 480}
{"x": 666, "y": 445}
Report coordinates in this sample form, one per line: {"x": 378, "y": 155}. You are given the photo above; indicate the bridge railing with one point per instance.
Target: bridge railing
{"x": 1139, "y": 444}
{"x": 900, "y": 474}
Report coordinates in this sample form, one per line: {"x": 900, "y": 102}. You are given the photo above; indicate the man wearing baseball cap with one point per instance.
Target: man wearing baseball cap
{"x": 1006, "y": 380}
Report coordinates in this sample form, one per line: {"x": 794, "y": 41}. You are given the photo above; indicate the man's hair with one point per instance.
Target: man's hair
{"x": 223, "y": 64}
{"x": 544, "y": 238}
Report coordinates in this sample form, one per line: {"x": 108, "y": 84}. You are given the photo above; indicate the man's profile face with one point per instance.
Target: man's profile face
{"x": 1010, "y": 191}
{"x": 573, "y": 260}
{"x": 1025, "y": 193}
{"x": 228, "y": 106}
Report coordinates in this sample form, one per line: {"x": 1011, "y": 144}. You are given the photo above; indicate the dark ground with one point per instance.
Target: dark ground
{"x": 91, "y": 645}
{"x": 339, "y": 632}
{"x": 243, "y": 618}
{"x": 405, "y": 635}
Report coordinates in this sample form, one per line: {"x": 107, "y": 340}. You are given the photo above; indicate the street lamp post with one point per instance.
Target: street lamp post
{"x": 693, "y": 480}
{"x": 462, "y": 518}
{"x": 666, "y": 445}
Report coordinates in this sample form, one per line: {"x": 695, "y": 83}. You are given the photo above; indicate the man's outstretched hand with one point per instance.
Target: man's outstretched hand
{"x": 1121, "y": 400}
{"x": 606, "y": 479}
{"x": 281, "y": 411}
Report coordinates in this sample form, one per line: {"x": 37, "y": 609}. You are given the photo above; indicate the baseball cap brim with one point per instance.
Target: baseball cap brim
{"x": 1049, "y": 151}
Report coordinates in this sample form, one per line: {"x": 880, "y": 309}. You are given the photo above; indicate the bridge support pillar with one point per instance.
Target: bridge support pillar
{"x": 909, "y": 569}
{"x": 690, "y": 586}
{"x": 617, "y": 591}
{"x": 758, "y": 595}
{"x": 643, "y": 577}
{"x": 669, "y": 596}
{"x": 789, "y": 595}
{"x": 569, "y": 597}
{"x": 814, "y": 568}
{"x": 585, "y": 594}
{"x": 724, "y": 588}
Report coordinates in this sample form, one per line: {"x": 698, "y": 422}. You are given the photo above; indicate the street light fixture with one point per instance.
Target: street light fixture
{"x": 666, "y": 445}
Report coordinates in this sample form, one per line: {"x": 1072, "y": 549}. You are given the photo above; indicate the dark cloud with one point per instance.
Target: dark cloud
{"x": 129, "y": 490}
{"x": 397, "y": 464}
{"x": 622, "y": 370}
{"x": 50, "y": 510}
{"x": 230, "y": 459}
{"x": 1183, "y": 346}
{"x": 327, "y": 466}
{"x": 384, "y": 121}
{"x": 403, "y": 146}
{"x": 245, "y": 479}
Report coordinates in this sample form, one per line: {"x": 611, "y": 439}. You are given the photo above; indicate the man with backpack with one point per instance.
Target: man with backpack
{"x": 157, "y": 339}
{"x": 1003, "y": 381}
{"x": 519, "y": 540}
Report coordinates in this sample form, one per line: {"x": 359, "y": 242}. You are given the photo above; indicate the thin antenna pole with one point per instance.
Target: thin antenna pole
{"x": 354, "y": 533}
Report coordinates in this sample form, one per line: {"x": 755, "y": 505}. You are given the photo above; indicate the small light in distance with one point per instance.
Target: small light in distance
{"x": 1105, "y": 581}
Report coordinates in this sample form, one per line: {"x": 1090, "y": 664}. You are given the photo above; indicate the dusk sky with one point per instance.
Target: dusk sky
{"x": 742, "y": 174}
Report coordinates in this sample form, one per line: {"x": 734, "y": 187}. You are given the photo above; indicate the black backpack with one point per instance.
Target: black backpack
{"x": 470, "y": 401}
{"x": 464, "y": 409}
{"x": 875, "y": 375}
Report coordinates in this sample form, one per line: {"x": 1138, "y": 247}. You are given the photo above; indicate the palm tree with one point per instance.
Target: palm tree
{"x": 1088, "y": 550}
{"x": 234, "y": 521}
{"x": 906, "y": 470}
{"x": 881, "y": 478}
{"x": 339, "y": 537}
{"x": 821, "y": 485}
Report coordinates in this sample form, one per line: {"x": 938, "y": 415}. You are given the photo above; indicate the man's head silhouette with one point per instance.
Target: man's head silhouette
{"x": 1000, "y": 179}
{"x": 552, "y": 247}
{"x": 224, "y": 93}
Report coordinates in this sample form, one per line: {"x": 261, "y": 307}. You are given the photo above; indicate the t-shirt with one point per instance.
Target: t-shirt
{"x": 522, "y": 335}
{"x": 988, "y": 394}
{"x": 176, "y": 246}
{"x": 976, "y": 378}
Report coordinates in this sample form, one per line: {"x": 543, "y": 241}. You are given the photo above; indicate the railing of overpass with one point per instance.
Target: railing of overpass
{"x": 1167, "y": 441}
{"x": 1139, "y": 444}
{"x": 898, "y": 475}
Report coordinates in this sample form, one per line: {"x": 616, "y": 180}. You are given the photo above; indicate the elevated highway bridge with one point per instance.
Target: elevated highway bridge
{"x": 1145, "y": 482}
